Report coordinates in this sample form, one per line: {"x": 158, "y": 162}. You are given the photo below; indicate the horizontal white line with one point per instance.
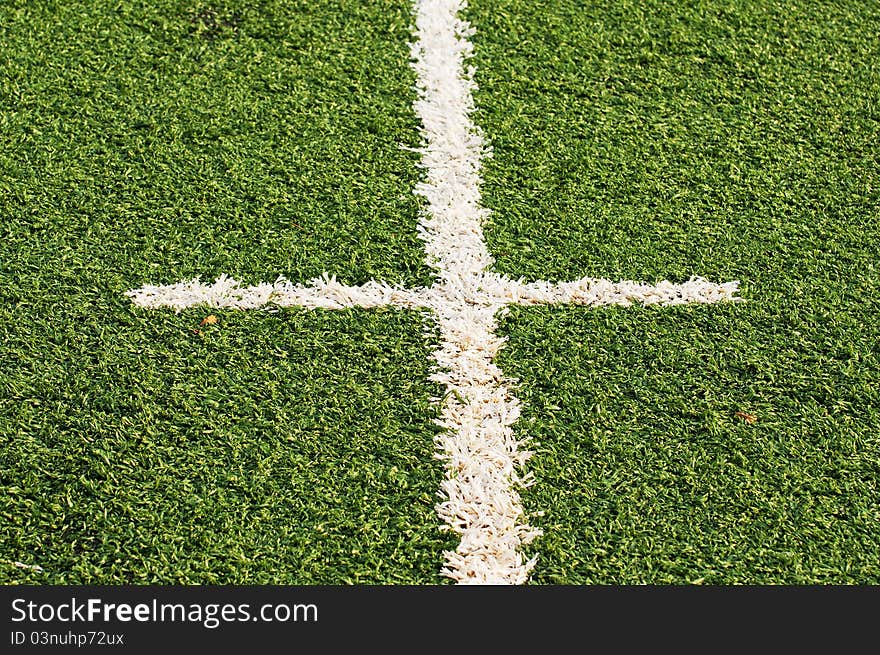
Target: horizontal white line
{"x": 599, "y": 292}
{"x": 321, "y": 293}
{"x": 489, "y": 290}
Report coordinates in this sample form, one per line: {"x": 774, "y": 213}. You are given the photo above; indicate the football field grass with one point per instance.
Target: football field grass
{"x": 734, "y": 141}
{"x": 155, "y": 142}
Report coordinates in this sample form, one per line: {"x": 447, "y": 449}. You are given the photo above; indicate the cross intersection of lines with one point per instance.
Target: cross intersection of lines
{"x": 483, "y": 460}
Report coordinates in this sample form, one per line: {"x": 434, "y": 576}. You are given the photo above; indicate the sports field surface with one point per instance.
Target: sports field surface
{"x": 419, "y": 292}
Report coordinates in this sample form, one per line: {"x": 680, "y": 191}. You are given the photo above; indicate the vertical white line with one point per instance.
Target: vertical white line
{"x": 482, "y": 457}
{"x": 454, "y": 146}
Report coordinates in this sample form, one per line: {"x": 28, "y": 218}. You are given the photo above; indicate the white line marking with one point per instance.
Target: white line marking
{"x": 483, "y": 460}
{"x": 326, "y": 293}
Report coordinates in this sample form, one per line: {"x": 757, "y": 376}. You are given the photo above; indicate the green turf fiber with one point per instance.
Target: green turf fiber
{"x": 659, "y": 140}
{"x": 153, "y": 142}
{"x": 270, "y": 147}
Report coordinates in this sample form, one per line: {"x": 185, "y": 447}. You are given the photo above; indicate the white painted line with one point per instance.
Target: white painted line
{"x": 321, "y": 293}
{"x": 483, "y": 459}
{"x": 484, "y": 462}
{"x": 327, "y": 293}
{"x": 599, "y": 292}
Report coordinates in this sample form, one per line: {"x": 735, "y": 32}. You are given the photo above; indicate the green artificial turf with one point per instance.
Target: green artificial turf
{"x": 660, "y": 140}
{"x": 153, "y": 142}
